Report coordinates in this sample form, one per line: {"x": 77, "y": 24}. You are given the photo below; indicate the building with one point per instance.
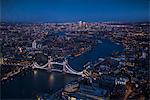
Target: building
{"x": 80, "y": 23}
{"x": 34, "y": 44}
{"x": 86, "y": 92}
{"x": 121, "y": 80}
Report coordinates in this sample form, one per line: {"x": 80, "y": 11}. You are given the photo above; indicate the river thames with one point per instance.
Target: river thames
{"x": 30, "y": 83}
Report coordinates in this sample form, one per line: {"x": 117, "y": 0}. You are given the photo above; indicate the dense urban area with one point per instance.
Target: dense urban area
{"x": 123, "y": 75}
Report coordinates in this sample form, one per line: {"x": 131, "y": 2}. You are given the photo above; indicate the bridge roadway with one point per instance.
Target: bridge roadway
{"x": 14, "y": 64}
{"x": 66, "y": 67}
{"x": 50, "y": 70}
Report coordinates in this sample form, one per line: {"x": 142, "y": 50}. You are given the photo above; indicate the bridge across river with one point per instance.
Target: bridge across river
{"x": 48, "y": 66}
{"x": 66, "y": 68}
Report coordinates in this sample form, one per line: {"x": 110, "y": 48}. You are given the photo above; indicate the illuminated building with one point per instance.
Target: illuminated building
{"x": 34, "y": 44}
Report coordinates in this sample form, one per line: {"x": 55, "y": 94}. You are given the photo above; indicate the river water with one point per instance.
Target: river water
{"x": 30, "y": 83}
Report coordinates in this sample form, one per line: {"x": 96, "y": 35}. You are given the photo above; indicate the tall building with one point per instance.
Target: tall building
{"x": 34, "y": 44}
{"x": 80, "y": 23}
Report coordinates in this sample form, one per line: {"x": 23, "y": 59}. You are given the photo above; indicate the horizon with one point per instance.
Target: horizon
{"x": 50, "y": 22}
{"x": 55, "y": 11}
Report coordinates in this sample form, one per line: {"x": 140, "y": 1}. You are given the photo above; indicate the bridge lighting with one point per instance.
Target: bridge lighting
{"x": 66, "y": 67}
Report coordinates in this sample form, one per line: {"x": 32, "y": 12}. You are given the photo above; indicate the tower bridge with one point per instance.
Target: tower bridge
{"x": 49, "y": 66}
{"x": 66, "y": 68}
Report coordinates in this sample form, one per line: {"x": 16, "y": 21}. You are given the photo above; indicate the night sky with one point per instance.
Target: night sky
{"x": 74, "y": 10}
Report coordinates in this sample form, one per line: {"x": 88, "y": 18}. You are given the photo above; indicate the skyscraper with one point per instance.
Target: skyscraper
{"x": 80, "y": 23}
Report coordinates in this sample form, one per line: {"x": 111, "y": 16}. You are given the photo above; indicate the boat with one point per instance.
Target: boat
{"x": 76, "y": 55}
{"x": 118, "y": 43}
{"x": 99, "y": 41}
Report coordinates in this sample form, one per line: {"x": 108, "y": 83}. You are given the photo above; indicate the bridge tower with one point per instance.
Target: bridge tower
{"x": 65, "y": 62}
{"x": 49, "y": 62}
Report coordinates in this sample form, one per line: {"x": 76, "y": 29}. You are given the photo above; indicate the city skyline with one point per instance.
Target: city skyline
{"x": 75, "y": 10}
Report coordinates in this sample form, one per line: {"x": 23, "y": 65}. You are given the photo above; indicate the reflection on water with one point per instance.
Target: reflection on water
{"x": 51, "y": 79}
{"x": 35, "y": 72}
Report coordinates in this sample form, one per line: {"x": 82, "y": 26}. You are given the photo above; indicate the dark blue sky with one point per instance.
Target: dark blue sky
{"x": 73, "y": 10}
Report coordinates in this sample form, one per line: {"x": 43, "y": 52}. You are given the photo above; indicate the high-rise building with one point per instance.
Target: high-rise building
{"x": 80, "y": 23}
